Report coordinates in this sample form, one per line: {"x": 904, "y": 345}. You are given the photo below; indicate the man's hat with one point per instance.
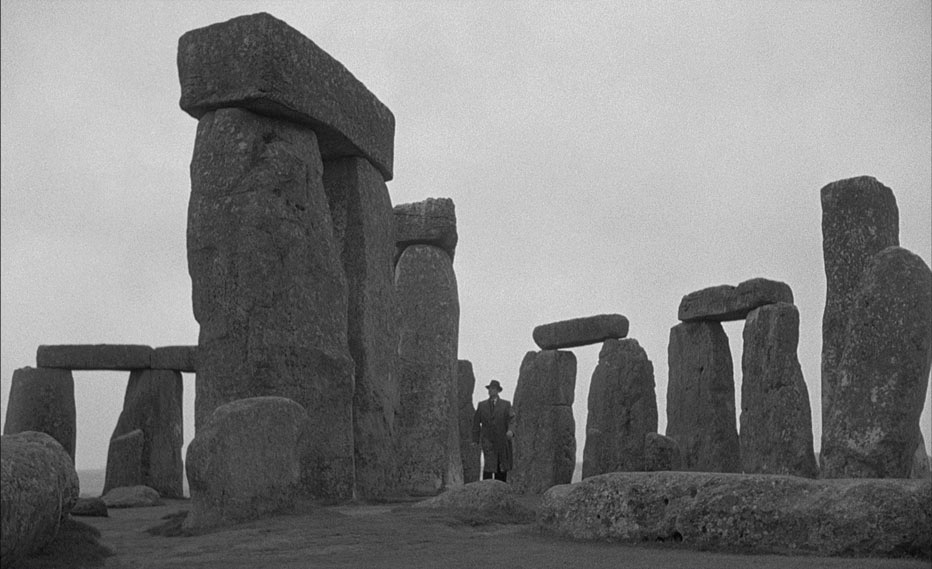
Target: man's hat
{"x": 494, "y": 383}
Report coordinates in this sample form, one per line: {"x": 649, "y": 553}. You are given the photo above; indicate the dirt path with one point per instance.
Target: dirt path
{"x": 399, "y": 536}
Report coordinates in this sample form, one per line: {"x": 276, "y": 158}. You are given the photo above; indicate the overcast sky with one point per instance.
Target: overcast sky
{"x": 603, "y": 158}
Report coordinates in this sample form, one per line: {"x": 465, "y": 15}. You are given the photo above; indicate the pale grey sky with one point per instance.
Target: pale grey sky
{"x": 603, "y": 157}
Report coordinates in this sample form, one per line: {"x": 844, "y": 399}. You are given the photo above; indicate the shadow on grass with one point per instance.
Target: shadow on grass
{"x": 75, "y": 547}
{"x": 172, "y": 526}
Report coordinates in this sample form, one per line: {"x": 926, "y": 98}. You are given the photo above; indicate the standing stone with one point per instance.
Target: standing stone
{"x": 124, "y": 461}
{"x": 42, "y": 399}
{"x": 776, "y": 420}
{"x": 466, "y": 410}
{"x": 922, "y": 464}
{"x": 701, "y": 397}
{"x": 152, "y": 404}
{"x": 428, "y": 428}
{"x": 859, "y": 218}
{"x": 364, "y": 226}
{"x": 545, "y": 431}
{"x": 268, "y": 286}
{"x": 428, "y": 222}
{"x": 661, "y": 453}
{"x": 872, "y": 427}
{"x": 622, "y": 409}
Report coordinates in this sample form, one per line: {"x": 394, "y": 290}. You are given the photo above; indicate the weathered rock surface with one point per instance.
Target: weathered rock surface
{"x": 466, "y": 410}
{"x": 428, "y": 427}
{"x": 178, "y": 358}
{"x": 701, "y": 397}
{"x": 245, "y": 463}
{"x": 490, "y": 497}
{"x": 125, "y": 459}
{"x": 545, "y": 430}
{"x": 580, "y": 331}
{"x": 364, "y": 230}
{"x": 428, "y": 222}
{"x": 132, "y": 497}
{"x": 776, "y": 420}
{"x": 90, "y": 507}
{"x": 726, "y": 302}
{"x": 268, "y": 286}
{"x": 285, "y": 75}
{"x": 859, "y": 219}
{"x": 38, "y": 487}
{"x": 94, "y": 356}
{"x": 42, "y": 399}
{"x": 922, "y": 464}
{"x": 753, "y": 513}
{"x": 871, "y": 428}
{"x": 661, "y": 453}
{"x": 622, "y": 409}
{"x": 153, "y": 405}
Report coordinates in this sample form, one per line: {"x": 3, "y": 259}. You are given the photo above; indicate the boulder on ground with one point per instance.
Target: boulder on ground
{"x": 489, "y": 497}
{"x": 38, "y": 487}
{"x": 90, "y": 507}
{"x": 125, "y": 357}
{"x": 753, "y": 513}
{"x": 42, "y": 399}
{"x": 132, "y": 497}
{"x": 661, "y": 453}
{"x": 580, "y": 331}
{"x": 178, "y": 358}
{"x": 428, "y": 222}
{"x": 726, "y": 302}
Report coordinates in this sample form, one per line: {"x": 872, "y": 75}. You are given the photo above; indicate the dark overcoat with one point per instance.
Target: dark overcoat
{"x": 489, "y": 429}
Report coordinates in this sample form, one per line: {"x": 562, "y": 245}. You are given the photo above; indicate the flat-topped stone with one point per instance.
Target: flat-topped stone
{"x": 124, "y": 357}
{"x": 260, "y": 63}
{"x": 428, "y": 222}
{"x": 177, "y": 358}
{"x": 725, "y": 303}
{"x": 580, "y": 331}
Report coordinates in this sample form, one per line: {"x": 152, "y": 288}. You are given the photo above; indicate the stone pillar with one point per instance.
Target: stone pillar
{"x": 365, "y": 236}
{"x": 776, "y": 420}
{"x": 427, "y": 425}
{"x": 622, "y": 409}
{"x": 42, "y": 399}
{"x": 466, "y": 410}
{"x": 545, "y": 430}
{"x": 859, "y": 218}
{"x": 124, "y": 461}
{"x": 872, "y": 427}
{"x": 701, "y": 397}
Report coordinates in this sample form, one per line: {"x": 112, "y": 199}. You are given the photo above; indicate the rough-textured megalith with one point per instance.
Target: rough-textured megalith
{"x": 38, "y": 487}
{"x": 124, "y": 460}
{"x": 701, "y": 397}
{"x": 776, "y": 420}
{"x": 153, "y": 405}
{"x": 178, "y": 358}
{"x": 94, "y": 356}
{"x": 622, "y": 409}
{"x": 859, "y": 218}
{"x": 132, "y": 497}
{"x": 428, "y": 222}
{"x": 245, "y": 462}
{"x": 466, "y": 410}
{"x": 580, "y": 331}
{"x": 485, "y": 498}
{"x": 725, "y": 303}
{"x": 922, "y": 464}
{"x": 260, "y": 63}
{"x": 364, "y": 229}
{"x": 42, "y": 399}
{"x": 545, "y": 431}
{"x": 749, "y": 513}
{"x": 871, "y": 428}
{"x": 661, "y": 453}
{"x": 427, "y": 425}
{"x": 269, "y": 290}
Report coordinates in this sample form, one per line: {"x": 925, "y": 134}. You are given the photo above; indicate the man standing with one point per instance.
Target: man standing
{"x": 492, "y": 427}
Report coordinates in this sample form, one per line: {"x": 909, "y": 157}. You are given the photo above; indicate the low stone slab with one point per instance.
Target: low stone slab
{"x": 125, "y": 357}
{"x": 132, "y": 497}
{"x": 580, "y": 331}
{"x": 260, "y": 63}
{"x": 176, "y": 358}
{"x": 42, "y": 399}
{"x": 428, "y": 222}
{"x": 725, "y": 303}
{"x": 752, "y": 513}
{"x": 90, "y": 507}
{"x": 490, "y": 497}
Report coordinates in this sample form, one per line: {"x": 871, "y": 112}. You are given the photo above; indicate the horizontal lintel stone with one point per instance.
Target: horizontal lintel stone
{"x": 178, "y": 358}
{"x": 94, "y": 356}
{"x": 726, "y": 302}
{"x": 580, "y": 331}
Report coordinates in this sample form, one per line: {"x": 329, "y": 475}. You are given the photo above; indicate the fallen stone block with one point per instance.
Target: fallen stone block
{"x": 42, "y": 399}
{"x": 490, "y": 498}
{"x": 428, "y": 222}
{"x": 90, "y": 507}
{"x": 132, "y": 497}
{"x": 580, "y": 331}
{"x": 125, "y": 357}
{"x": 724, "y": 303}
{"x": 176, "y": 358}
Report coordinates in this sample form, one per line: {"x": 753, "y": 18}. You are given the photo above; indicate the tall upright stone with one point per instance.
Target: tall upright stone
{"x": 859, "y": 218}
{"x": 365, "y": 236}
{"x": 872, "y": 427}
{"x": 42, "y": 399}
{"x": 268, "y": 286}
{"x": 545, "y": 430}
{"x": 466, "y": 410}
{"x": 427, "y": 424}
{"x": 701, "y": 397}
{"x": 776, "y": 420}
{"x": 152, "y": 404}
{"x": 622, "y": 409}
